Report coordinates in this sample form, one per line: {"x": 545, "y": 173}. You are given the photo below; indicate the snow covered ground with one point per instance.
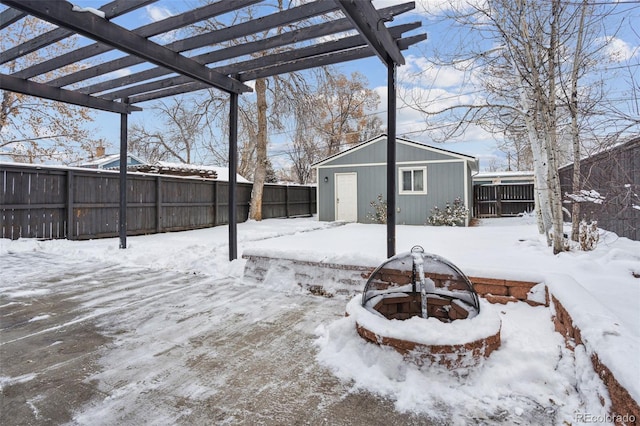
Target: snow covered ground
{"x": 177, "y": 305}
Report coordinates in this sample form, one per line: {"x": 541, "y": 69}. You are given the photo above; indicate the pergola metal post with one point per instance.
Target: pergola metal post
{"x": 391, "y": 159}
{"x": 233, "y": 165}
{"x": 122, "y": 221}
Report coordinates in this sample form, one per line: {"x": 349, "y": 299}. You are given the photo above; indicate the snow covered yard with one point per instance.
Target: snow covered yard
{"x": 168, "y": 332}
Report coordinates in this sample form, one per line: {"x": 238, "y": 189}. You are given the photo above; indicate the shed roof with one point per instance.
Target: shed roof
{"x": 471, "y": 159}
{"x": 505, "y": 174}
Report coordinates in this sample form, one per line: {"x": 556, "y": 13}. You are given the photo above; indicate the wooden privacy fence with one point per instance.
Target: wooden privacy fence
{"x": 49, "y": 202}
{"x": 615, "y": 175}
{"x": 502, "y": 200}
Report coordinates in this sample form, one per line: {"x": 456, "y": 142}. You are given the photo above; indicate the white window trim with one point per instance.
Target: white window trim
{"x": 424, "y": 180}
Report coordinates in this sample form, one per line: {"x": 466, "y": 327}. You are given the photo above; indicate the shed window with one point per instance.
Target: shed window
{"x": 413, "y": 180}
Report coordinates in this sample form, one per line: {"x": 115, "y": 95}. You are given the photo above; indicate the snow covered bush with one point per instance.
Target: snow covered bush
{"x": 454, "y": 214}
{"x": 588, "y": 237}
{"x": 379, "y": 214}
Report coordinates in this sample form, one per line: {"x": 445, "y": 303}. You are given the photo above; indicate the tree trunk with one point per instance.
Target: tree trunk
{"x": 552, "y": 135}
{"x": 541, "y": 171}
{"x": 575, "y": 131}
{"x": 255, "y": 209}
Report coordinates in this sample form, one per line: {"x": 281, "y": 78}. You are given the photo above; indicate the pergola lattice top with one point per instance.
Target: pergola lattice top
{"x": 350, "y": 30}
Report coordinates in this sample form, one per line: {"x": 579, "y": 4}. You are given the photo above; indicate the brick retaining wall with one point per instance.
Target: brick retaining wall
{"x": 351, "y": 278}
{"x": 622, "y": 404}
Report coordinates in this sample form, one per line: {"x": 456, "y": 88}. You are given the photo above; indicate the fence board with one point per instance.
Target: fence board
{"x": 503, "y": 200}
{"x": 615, "y": 175}
{"x": 50, "y": 202}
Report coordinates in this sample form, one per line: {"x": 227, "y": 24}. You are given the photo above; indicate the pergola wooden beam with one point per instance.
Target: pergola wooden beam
{"x": 150, "y": 30}
{"x": 260, "y": 65}
{"x": 295, "y": 36}
{"x": 329, "y": 59}
{"x": 59, "y": 13}
{"x": 10, "y": 16}
{"x": 28, "y": 87}
{"x": 209, "y": 39}
{"x": 111, "y": 10}
{"x": 366, "y": 19}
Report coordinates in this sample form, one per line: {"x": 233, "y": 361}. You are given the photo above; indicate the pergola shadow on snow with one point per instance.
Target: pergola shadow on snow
{"x": 349, "y": 30}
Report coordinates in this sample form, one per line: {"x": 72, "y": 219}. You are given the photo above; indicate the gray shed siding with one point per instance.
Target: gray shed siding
{"x": 446, "y": 175}
{"x": 376, "y": 153}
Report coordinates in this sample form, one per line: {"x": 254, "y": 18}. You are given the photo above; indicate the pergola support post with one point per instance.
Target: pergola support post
{"x": 233, "y": 165}
{"x": 122, "y": 217}
{"x": 391, "y": 159}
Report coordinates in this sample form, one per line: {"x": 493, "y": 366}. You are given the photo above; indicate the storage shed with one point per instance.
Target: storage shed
{"x": 427, "y": 177}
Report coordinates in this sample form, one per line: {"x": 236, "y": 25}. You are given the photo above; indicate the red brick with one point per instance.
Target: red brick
{"x": 488, "y": 281}
{"x": 503, "y": 300}
{"x": 496, "y": 290}
{"x": 527, "y": 284}
{"x": 519, "y": 292}
{"x": 460, "y": 312}
{"x": 395, "y": 300}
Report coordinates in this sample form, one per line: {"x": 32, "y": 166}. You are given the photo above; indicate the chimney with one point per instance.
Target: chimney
{"x": 100, "y": 151}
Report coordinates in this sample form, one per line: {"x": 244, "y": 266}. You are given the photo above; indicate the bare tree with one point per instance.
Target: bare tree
{"x": 33, "y": 128}
{"x": 343, "y": 106}
{"x": 179, "y": 137}
{"x": 516, "y": 52}
{"x": 262, "y": 111}
{"x": 307, "y": 145}
{"x": 574, "y": 113}
{"x": 337, "y": 113}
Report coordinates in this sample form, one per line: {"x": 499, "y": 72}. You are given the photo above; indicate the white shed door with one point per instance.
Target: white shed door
{"x": 347, "y": 196}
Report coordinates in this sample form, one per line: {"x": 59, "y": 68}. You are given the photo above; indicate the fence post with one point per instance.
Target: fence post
{"x": 70, "y": 204}
{"x": 286, "y": 201}
{"x": 215, "y": 202}
{"x": 158, "y": 204}
{"x": 310, "y": 195}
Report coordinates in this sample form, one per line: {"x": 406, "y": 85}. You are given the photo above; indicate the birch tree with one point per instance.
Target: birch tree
{"x": 519, "y": 52}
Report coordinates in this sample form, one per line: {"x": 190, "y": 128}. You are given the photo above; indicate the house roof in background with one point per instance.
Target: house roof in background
{"x": 510, "y": 174}
{"x": 181, "y": 169}
{"x": 106, "y": 159}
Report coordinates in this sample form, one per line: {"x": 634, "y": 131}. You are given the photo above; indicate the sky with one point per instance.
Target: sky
{"x": 192, "y": 336}
{"x": 437, "y": 86}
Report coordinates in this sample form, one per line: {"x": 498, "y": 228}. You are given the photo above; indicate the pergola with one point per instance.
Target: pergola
{"x": 326, "y": 32}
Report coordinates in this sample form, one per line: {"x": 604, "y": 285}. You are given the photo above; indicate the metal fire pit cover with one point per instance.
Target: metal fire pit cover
{"x": 416, "y": 283}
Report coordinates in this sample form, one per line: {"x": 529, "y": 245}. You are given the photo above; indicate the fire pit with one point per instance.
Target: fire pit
{"x": 427, "y": 309}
